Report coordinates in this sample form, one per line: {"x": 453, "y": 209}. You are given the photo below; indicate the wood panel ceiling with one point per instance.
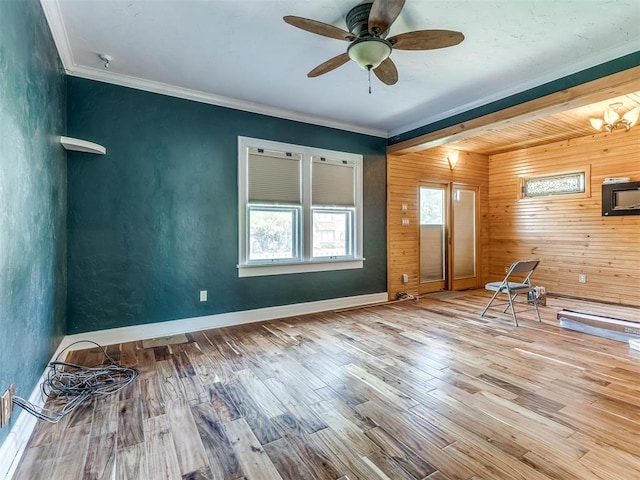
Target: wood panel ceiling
{"x": 560, "y": 126}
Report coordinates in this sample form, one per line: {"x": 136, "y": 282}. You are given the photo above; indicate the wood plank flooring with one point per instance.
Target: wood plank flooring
{"x": 409, "y": 390}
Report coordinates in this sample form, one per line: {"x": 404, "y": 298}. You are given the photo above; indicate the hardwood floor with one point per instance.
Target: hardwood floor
{"x": 425, "y": 390}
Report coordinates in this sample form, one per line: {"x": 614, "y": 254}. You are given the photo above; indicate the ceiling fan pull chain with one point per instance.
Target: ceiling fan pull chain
{"x": 369, "y": 72}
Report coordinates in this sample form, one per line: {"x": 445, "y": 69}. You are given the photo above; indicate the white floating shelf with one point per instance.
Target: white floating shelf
{"x": 82, "y": 146}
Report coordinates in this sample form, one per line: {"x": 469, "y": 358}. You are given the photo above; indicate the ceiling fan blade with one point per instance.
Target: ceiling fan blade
{"x": 383, "y": 13}
{"x": 319, "y": 28}
{"x": 329, "y": 65}
{"x": 426, "y": 39}
{"x": 387, "y": 72}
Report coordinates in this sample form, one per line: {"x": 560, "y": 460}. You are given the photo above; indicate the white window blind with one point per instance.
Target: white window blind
{"x": 274, "y": 177}
{"x": 333, "y": 182}
{"x": 300, "y": 209}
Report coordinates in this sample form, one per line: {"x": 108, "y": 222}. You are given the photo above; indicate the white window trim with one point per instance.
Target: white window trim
{"x": 306, "y": 262}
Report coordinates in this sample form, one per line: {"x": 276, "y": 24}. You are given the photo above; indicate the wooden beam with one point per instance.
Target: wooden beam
{"x": 615, "y": 85}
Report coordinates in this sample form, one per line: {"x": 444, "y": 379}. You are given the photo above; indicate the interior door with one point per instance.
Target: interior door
{"x": 448, "y": 237}
{"x": 464, "y": 238}
{"x": 433, "y": 237}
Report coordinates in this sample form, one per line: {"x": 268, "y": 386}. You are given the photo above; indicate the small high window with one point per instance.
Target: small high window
{"x": 559, "y": 184}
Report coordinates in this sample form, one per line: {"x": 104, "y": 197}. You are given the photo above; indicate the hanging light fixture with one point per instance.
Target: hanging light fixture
{"x": 612, "y": 119}
{"x": 369, "y": 52}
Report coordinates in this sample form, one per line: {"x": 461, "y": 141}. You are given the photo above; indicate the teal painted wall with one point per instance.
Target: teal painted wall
{"x": 155, "y": 220}
{"x": 32, "y": 197}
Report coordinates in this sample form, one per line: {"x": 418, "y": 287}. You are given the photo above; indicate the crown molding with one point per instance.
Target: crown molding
{"x": 218, "y": 100}
{"x": 54, "y": 18}
{"x": 53, "y": 15}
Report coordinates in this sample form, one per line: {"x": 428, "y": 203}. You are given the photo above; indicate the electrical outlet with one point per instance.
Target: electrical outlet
{"x": 7, "y": 405}
{"x": 203, "y": 295}
{"x": 506, "y": 269}
{"x": 405, "y": 278}
{"x": 582, "y": 278}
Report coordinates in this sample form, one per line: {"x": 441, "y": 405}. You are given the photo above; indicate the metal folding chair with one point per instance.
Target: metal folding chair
{"x": 513, "y": 288}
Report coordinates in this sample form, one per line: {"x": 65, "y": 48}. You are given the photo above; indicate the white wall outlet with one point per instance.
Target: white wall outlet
{"x": 6, "y": 405}
{"x": 582, "y": 278}
{"x": 506, "y": 269}
{"x": 405, "y": 222}
{"x": 405, "y": 278}
{"x": 203, "y": 295}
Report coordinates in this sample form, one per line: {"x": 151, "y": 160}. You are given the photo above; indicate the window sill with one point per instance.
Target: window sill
{"x": 554, "y": 197}
{"x": 261, "y": 270}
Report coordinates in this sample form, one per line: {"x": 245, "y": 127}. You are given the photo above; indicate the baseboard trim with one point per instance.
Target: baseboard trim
{"x": 194, "y": 324}
{"x": 14, "y": 445}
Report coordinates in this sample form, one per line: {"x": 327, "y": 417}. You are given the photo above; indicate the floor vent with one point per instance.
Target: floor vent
{"x": 163, "y": 341}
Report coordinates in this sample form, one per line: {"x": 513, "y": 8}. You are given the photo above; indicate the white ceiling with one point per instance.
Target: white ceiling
{"x": 240, "y": 53}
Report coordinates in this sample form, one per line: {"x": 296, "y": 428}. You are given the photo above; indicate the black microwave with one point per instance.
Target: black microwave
{"x": 621, "y": 198}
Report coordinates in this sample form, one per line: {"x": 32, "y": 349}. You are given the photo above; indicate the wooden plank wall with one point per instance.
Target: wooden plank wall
{"x": 570, "y": 236}
{"x": 404, "y": 174}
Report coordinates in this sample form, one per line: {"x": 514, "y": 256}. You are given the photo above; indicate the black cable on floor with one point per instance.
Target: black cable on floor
{"x": 75, "y": 383}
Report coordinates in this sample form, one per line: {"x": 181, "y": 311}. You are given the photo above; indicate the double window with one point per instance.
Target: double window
{"x": 300, "y": 208}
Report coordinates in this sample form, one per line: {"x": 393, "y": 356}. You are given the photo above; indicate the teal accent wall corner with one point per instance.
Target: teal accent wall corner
{"x": 155, "y": 220}
{"x": 32, "y": 198}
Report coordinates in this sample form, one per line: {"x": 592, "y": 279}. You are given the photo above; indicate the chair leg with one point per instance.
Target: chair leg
{"x": 507, "y": 307}
{"x": 513, "y": 310}
{"x": 490, "y": 302}
{"x": 535, "y": 304}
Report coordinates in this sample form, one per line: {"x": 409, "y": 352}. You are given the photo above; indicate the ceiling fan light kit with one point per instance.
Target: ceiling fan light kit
{"x": 368, "y": 25}
{"x": 369, "y": 53}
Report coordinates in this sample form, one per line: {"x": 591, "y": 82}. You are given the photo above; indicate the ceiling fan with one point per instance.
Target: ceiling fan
{"x": 368, "y": 25}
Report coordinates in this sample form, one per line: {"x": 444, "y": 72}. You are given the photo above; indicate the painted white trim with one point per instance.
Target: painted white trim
{"x": 52, "y": 13}
{"x": 305, "y": 261}
{"x": 193, "y": 324}
{"x": 14, "y": 445}
{"x": 213, "y": 99}
{"x": 263, "y": 270}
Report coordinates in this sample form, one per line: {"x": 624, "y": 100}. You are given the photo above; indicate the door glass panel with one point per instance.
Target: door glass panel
{"x": 464, "y": 237}
{"x": 432, "y": 234}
